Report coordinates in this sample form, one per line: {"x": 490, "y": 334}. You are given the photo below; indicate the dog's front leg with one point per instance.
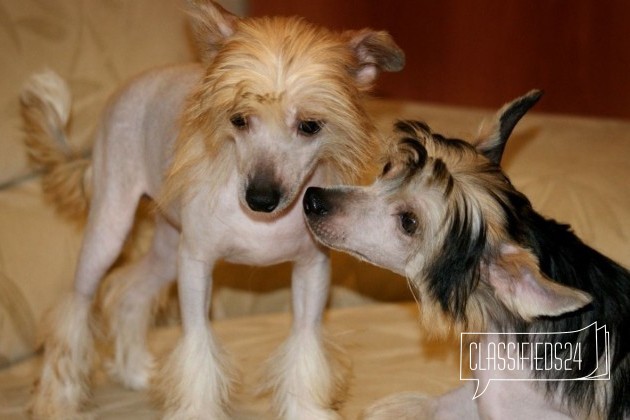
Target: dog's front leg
{"x": 197, "y": 379}
{"x": 307, "y": 380}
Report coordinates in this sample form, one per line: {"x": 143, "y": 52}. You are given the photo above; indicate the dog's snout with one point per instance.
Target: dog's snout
{"x": 314, "y": 202}
{"x": 262, "y": 199}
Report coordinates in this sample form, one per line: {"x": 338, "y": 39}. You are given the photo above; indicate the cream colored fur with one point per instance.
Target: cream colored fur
{"x": 172, "y": 135}
{"x": 46, "y": 102}
{"x": 194, "y": 382}
{"x": 322, "y": 360}
{"x": 68, "y": 358}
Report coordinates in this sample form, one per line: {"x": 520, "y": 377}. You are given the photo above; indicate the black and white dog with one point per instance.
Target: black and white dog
{"x": 445, "y": 215}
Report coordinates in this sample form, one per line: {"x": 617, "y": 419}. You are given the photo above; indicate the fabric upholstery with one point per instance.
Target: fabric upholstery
{"x": 573, "y": 169}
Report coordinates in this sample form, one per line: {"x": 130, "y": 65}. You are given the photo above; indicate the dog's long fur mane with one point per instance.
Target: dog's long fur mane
{"x": 484, "y": 206}
{"x": 267, "y": 61}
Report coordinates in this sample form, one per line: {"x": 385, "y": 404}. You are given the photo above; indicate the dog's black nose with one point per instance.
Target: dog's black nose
{"x": 262, "y": 199}
{"x": 314, "y": 202}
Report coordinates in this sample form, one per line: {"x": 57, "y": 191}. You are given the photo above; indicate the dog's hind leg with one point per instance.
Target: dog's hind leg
{"x": 128, "y": 305}
{"x": 197, "y": 379}
{"x": 68, "y": 342}
{"x": 455, "y": 405}
{"x": 307, "y": 374}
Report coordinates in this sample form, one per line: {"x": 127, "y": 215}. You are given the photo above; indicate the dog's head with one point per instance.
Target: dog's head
{"x": 283, "y": 96}
{"x": 445, "y": 215}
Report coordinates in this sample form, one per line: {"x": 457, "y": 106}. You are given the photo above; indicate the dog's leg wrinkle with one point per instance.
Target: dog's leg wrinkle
{"x": 128, "y": 305}
{"x": 307, "y": 375}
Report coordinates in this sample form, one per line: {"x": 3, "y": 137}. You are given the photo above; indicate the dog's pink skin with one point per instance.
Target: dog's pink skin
{"x": 512, "y": 395}
{"x": 132, "y": 151}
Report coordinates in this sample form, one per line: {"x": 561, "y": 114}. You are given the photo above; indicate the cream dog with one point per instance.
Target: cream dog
{"x": 226, "y": 148}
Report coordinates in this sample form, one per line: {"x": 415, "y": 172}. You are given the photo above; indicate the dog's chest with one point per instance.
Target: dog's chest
{"x": 227, "y": 231}
{"x": 245, "y": 240}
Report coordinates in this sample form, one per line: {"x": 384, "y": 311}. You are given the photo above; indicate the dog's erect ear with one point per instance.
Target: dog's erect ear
{"x": 518, "y": 282}
{"x": 376, "y": 51}
{"x": 492, "y": 143}
{"x": 211, "y": 24}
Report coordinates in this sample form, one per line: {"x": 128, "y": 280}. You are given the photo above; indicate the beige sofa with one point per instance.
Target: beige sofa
{"x": 574, "y": 169}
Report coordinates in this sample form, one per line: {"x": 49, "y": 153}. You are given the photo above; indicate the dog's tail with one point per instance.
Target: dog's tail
{"x": 46, "y": 103}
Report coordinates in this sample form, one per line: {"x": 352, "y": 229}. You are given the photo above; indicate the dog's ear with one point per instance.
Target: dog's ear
{"x": 211, "y": 24}
{"x": 492, "y": 142}
{"x": 376, "y": 51}
{"x": 518, "y": 282}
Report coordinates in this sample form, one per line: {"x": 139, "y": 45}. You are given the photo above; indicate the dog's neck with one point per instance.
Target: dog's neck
{"x": 564, "y": 258}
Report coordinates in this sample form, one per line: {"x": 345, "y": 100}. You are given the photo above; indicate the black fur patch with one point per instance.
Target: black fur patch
{"x": 386, "y": 168}
{"x": 441, "y": 175}
{"x": 564, "y": 258}
{"x": 413, "y": 128}
{"x": 420, "y": 153}
{"x": 455, "y": 273}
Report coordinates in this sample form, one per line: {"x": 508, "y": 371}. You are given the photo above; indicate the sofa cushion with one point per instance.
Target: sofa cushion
{"x": 94, "y": 45}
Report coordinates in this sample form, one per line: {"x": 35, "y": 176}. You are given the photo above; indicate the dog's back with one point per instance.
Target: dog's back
{"x": 566, "y": 259}
{"x": 140, "y": 124}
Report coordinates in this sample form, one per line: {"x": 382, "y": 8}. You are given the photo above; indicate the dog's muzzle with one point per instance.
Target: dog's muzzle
{"x": 314, "y": 202}
{"x": 262, "y": 198}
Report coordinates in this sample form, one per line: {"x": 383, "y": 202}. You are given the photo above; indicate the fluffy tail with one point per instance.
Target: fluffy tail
{"x": 46, "y": 105}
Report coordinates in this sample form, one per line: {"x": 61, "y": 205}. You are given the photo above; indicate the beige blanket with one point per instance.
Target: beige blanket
{"x": 383, "y": 342}
{"x": 573, "y": 169}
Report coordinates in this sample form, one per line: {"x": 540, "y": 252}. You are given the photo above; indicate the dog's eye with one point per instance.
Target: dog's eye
{"x": 239, "y": 121}
{"x": 309, "y": 127}
{"x": 386, "y": 168}
{"x": 408, "y": 223}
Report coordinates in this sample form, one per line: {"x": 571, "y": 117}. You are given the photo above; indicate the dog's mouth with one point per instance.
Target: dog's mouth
{"x": 333, "y": 240}
{"x": 330, "y": 237}
{"x": 317, "y": 212}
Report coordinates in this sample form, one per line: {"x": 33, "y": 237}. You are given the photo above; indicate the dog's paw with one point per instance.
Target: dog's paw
{"x": 197, "y": 380}
{"x": 63, "y": 384}
{"x": 189, "y": 413}
{"x": 403, "y": 406}
{"x": 312, "y": 413}
{"x": 43, "y": 411}
{"x": 133, "y": 372}
{"x": 308, "y": 377}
